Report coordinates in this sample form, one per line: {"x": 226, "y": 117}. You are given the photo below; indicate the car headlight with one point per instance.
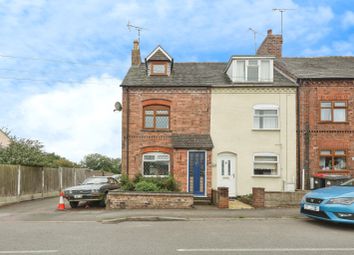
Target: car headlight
{"x": 341, "y": 201}
{"x": 95, "y": 190}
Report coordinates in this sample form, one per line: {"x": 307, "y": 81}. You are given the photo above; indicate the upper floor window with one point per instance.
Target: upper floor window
{"x": 333, "y": 111}
{"x": 266, "y": 164}
{"x": 332, "y": 159}
{"x": 265, "y": 117}
{"x": 156, "y": 164}
{"x": 156, "y": 117}
{"x": 251, "y": 70}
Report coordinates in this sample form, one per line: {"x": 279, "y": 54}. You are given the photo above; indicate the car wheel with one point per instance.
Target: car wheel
{"x": 103, "y": 202}
{"x": 74, "y": 204}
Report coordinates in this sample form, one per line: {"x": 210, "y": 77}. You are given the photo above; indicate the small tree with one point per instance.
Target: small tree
{"x": 23, "y": 152}
{"x": 100, "y": 162}
{"x": 30, "y": 153}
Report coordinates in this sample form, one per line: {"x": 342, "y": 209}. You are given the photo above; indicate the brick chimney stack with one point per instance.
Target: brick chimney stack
{"x": 272, "y": 45}
{"x": 136, "y": 60}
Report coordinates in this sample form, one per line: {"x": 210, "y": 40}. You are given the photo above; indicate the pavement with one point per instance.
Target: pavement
{"x": 45, "y": 210}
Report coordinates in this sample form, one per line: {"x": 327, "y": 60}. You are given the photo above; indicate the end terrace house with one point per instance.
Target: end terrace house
{"x": 210, "y": 124}
{"x": 166, "y": 119}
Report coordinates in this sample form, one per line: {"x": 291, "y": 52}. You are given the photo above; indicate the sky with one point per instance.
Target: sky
{"x": 61, "y": 62}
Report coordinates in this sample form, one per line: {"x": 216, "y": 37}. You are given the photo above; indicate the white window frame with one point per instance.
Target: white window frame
{"x": 266, "y": 107}
{"x": 156, "y": 154}
{"x": 266, "y": 154}
{"x": 244, "y": 77}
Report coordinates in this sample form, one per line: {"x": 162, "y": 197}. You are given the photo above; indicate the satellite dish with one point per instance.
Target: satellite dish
{"x": 117, "y": 107}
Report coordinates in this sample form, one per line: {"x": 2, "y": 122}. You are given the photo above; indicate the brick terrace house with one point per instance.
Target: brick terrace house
{"x": 325, "y": 114}
{"x": 166, "y": 119}
{"x": 326, "y": 118}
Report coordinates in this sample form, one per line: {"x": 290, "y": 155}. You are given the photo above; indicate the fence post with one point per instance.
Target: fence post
{"x": 42, "y": 182}
{"x": 60, "y": 170}
{"x": 75, "y": 178}
{"x": 19, "y": 181}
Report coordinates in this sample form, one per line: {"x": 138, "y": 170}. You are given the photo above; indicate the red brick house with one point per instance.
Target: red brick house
{"x": 325, "y": 114}
{"x": 166, "y": 120}
{"x": 325, "y": 118}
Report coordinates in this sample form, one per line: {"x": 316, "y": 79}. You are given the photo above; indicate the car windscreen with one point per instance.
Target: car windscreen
{"x": 95, "y": 181}
{"x": 348, "y": 183}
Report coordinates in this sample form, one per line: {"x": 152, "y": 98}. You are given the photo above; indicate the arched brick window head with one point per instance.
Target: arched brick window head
{"x": 156, "y": 114}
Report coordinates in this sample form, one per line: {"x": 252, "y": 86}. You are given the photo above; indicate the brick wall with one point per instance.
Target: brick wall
{"x": 316, "y": 136}
{"x": 136, "y": 200}
{"x": 189, "y": 114}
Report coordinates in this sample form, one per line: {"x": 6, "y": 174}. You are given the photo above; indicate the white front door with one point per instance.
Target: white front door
{"x": 226, "y": 167}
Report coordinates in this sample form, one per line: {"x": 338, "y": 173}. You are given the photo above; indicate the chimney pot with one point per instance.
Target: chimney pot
{"x": 136, "y": 60}
{"x": 136, "y": 45}
{"x": 269, "y": 32}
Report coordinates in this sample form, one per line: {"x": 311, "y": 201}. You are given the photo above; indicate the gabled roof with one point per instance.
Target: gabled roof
{"x": 319, "y": 67}
{"x": 159, "y": 54}
{"x": 203, "y": 74}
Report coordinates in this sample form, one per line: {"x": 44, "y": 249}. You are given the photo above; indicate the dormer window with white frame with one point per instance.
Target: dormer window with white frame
{"x": 250, "y": 69}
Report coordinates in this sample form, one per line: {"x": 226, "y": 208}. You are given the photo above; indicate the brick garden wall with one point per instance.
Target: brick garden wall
{"x": 316, "y": 136}
{"x": 136, "y": 200}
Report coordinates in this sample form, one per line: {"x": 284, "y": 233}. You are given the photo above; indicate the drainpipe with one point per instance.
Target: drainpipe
{"x": 298, "y": 176}
{"x": 127, "y": 134}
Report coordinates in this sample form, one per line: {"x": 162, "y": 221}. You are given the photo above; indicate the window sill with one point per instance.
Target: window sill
{"x": 266, "y": 176}
{"x": 156, "y": 131}
{"x": 333, "y": 122}
{"x": 265, "y": 129}
{"x": 156, "y": 176}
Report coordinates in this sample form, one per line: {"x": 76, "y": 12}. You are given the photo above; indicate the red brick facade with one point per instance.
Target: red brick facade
{"x": 189, "y": 114}
{"x": 316, "y": 135}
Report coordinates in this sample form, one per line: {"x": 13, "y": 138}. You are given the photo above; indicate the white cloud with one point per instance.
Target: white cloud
{"x": 75, "y": 119}
{"x": 348, "y": 19}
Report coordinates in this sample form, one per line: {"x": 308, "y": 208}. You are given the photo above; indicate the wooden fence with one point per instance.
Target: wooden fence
{"x": 19, "y": 183}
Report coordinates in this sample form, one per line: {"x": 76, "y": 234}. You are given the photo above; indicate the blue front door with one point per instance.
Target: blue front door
{"x": 196, "y": 169}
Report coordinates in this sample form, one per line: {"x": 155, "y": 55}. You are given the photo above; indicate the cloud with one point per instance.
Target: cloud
{"x": 75, "y": 119}
{"x": 348, "y": 19}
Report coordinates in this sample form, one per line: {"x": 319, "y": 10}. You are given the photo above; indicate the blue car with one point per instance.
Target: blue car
{"x": 334, "y": 203}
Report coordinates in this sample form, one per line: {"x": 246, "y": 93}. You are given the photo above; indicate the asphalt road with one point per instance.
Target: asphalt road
{"x": 22, "y": 232}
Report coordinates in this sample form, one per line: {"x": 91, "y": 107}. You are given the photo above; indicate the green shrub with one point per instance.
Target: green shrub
{"x": 146, "y": 186}
{"x": 126, "y": 184}
{"x": 141, "y": 183}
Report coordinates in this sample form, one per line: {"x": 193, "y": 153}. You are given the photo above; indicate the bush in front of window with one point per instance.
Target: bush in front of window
{"x": 162, "y": 184}
{"x": 146, "y": 186}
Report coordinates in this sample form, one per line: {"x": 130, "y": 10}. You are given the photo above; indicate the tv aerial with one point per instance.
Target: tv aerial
{"x": 136, "y": 28}
{"x": 281, "y": 10}
{"x": 254, "y": 38}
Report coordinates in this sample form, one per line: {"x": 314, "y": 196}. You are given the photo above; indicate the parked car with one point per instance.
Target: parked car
{"x": 92, "y": 189}
{"x": 116, "y": 176}
{"x": 335, "y": 203}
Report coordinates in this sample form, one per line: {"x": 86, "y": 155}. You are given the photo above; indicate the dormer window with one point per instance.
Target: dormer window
{"x": 159, "y": 63}
{"x": 250, "y": 69}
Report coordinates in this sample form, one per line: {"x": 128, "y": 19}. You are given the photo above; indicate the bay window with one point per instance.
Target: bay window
{"x": 156, "y": 164}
